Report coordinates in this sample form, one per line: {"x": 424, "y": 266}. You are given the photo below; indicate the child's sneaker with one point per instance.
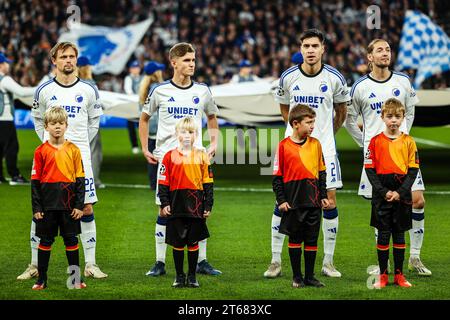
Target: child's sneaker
{"x": 39, "y": 285}
{"x": 382, "y": 282}
{"x": 313, "y": 282}
{"x": 297, "y": 282}
{"x": 81, "y": 285}
{"x": 180, "y": 281}
{"x": 192, "y": 282}
{"x": 400, "y": 280}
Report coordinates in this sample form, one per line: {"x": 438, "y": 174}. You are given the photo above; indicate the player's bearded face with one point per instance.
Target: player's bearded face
{"x": 66, "y": 61}
{"x": 381, "y": 55}
{"x": 312, "y": 50}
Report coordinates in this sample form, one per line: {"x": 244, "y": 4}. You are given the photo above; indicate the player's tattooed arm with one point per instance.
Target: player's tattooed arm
{"x": 340, "y": 110}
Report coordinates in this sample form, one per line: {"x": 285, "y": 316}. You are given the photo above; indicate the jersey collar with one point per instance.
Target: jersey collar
{"x": 66, "y": 86}
{"x": 309, "y": 75}
{"x": 182, "y": 88}
{"x": 378, "y": 81}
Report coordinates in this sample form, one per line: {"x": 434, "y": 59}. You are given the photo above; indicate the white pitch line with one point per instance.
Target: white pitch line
{"x": 267, "y": 190}
{"x": 432, "y": 143}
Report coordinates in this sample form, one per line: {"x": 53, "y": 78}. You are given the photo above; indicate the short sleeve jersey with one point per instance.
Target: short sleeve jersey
{"x": 81, "y": 102}
{"x": 320, "y": 92}
{"x": 368, "y": 96}
{"x": 174, "y": 103}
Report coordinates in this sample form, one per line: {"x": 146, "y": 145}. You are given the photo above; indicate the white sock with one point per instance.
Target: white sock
{"x": 160, "y": 242}
{"x": 330, "y": 230}
{"x": 201, "y": 250}
{"x": 34, "y": 243}
{"x": 88, "y": 238}
{"x": 277, "y": 239}
{"x": 416, "y": 233}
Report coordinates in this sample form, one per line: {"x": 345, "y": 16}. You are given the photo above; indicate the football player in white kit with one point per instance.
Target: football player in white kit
{"x": 175, "y": 99}
{"x": 324, "y": 89}
{"x": 368, "y": 95}
{"x": 81, "y": 101}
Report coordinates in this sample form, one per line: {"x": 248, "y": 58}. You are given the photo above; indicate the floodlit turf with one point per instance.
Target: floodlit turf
{"x": 240, "y": 234}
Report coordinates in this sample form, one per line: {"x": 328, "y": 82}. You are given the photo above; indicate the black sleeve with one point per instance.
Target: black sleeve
{"x": 36, "y": 196}
{"x": 278, "y": 188}
{"x": 164, "y": 195}
{"x": 405, "y": 188}
{"x": 79, "y": 193}
{"x": 323, "y": 184}
{"x": 375, "y": 182}
{"x": 208, "y": 189}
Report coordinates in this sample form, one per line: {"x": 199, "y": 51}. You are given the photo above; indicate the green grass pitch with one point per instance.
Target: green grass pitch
{"x": 240, "y": 233}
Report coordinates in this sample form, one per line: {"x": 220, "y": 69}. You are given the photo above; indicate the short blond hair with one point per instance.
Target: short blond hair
{"x": 55, "y": 114}
{"x": 186, "y": 123}
{"x": 393, "y": 106}
{"x": 180, "y": 49}
{"x": 62, "y": 46}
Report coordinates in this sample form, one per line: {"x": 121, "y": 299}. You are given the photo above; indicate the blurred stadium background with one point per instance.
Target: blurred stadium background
{"x": 224, "y": 33}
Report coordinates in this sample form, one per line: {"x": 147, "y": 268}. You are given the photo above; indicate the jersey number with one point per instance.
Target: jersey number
{"x": 333, "y": 169}
{"x": 89, "y": 184}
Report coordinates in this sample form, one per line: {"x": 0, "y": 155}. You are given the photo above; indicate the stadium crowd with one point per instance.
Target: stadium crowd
{"x": 223, "y": 32}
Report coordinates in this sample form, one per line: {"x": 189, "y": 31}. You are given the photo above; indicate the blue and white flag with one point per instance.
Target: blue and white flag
{"x": 108, "y": 49}
{"x": 424, "y": 46}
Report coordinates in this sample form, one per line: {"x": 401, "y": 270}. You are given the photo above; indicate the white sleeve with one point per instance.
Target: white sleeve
{"x": 151, "y": 103}
{"x": 37, "y": 113}
{"x": 351, "y": 122}
{"x": 411, "y": 101}
{"x": 128, "y": 85}
{"x": 210, "y": 106}
{"x": 93, "y": 126}
{"x": 94, "y": 107}
{"x": 12, "y": 86}
{"x": 282, "y": 95}
{"x": 340, "y": 92}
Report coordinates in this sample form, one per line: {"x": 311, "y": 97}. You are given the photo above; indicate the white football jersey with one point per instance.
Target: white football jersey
{"x": 319, "y": 92}
{"x": 174, "y": 103}
{"x": 81, "y": 102}
{"x": 368, "y": 96}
